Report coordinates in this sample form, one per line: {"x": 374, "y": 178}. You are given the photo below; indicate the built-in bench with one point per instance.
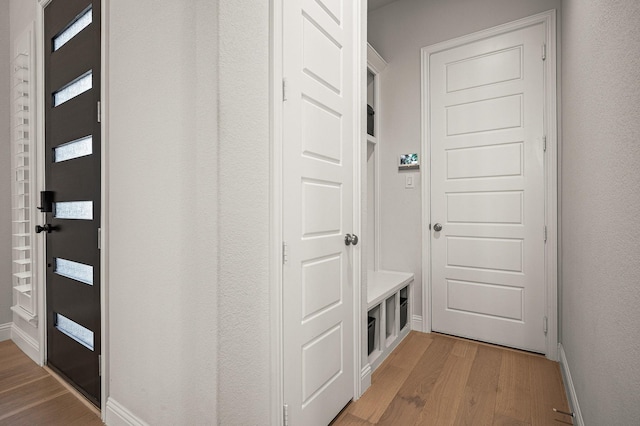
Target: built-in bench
{"x": 389, "y": 311}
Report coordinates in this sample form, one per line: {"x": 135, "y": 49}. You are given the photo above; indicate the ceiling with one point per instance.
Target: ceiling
{"x": 377, "y": 4}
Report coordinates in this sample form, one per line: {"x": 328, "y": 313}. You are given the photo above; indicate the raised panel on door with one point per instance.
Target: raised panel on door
{"x": 487, "y": 189}
{"x": 317, "y": 202}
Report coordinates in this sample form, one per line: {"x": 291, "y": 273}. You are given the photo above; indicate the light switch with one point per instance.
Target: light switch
{"x": 409, "y": 182}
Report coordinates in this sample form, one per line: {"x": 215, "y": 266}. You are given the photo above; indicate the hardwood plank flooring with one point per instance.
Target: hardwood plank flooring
{"x": 434, "y": 379}
{"x": 31, "y": 396}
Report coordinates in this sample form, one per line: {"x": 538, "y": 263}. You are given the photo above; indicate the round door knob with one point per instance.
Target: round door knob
{"x": 351, "y": 239}
{"x": 437, "y": 227}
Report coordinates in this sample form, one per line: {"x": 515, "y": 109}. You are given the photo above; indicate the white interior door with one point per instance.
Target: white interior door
{"x": 318, "y": 144}
{"x": 487, "y": 189}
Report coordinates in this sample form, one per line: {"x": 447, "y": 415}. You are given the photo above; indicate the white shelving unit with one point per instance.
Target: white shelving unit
{"x": 388, "y": 302}
{"x": 24, "y": 302}
{"x": 388, "y": 292}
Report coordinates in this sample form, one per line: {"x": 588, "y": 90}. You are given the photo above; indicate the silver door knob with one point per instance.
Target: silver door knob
{"x": 351, "y": 239}
{"x": 437, "y": 227}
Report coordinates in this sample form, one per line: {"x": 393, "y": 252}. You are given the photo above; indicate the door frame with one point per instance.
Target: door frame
{"x": 40, "y": 246}
{"x": 276, "y": 203}
{"x": 548, "y": 19}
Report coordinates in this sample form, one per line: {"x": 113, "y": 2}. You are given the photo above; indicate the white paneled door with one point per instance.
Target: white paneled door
{"x": 487, "y": 189}
{"x": 318, "y": 145}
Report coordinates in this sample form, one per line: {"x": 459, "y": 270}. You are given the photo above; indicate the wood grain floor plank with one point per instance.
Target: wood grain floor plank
{"x": 547, "y": 393}
{"x": 348, "y": 419}
{"x": 442, "y": 406}
{"x": 388, "y": 378}
{"x": 413, "y": 394}
{"x": 503, "y": 387}
{"x": 514, "y": 389}
{"x": 63, "y": 410}
{"x": 28, "y": 395}
{"x": 479, "y": 399}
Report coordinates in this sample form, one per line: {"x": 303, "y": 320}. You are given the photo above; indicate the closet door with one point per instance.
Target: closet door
{"x": 487, "y": 193}
{"x": 318, "y": 145}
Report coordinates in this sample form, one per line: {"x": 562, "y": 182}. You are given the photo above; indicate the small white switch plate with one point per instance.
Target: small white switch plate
{"x": 410, "y": 181}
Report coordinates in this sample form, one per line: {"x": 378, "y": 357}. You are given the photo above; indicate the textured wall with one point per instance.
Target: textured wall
{"x": 398, "y": 32}
{"x": 243, "y": 235}
{"x": 601, "y": 207}
{"x": 5, "y": 166}
{"x": 162, "y": 156}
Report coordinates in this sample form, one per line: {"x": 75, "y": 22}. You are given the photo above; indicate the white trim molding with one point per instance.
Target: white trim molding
{"x": 5, "y": 331}
{"x": 365, "y": 377}
{"x": 417, "y": 323}
{"x": 569, "y": 387}
{"x": 118, "y": 415}
{"x": 26, "y": 343}
{"x": 548, "y": 19}
{"x": 276, "y": 214}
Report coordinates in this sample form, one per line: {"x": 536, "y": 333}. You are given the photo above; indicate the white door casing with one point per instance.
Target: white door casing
{"x": 318, "y": 191}
{"x": 486, "y": 128}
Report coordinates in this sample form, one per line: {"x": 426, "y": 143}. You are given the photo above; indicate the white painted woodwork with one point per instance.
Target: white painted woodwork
{"x": 384, "y": 290}
{"x": 318, "y": 168}
{"x": 487, "y": 189}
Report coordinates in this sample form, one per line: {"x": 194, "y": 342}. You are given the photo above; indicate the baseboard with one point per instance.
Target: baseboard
{"x": 119, "y": 415}
{"x": 365, "y": 378}
{"x": 569, "y": 388}
{"x": 26, "y": 343}
{"x": 5, "y": 331}
{"x": 416, "y": 323}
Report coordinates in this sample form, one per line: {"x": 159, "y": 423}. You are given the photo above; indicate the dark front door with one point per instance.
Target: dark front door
{"x": 72, "y": 141}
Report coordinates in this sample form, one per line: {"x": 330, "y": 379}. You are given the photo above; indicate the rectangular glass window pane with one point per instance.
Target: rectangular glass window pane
{"x": 74, "y": 270}
{"x": 80, "y": 334}
{"x": 73, "y": 210}
{"x": 80, "y": 22}
{"x": 73, "y": 89}
{"x": 74, "y": 149}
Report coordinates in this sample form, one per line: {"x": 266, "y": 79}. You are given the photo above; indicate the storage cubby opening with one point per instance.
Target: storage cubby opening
{"x": 404, "y": 307}
{"x": 390, "y": 317}
{"x": 372, "y": 332}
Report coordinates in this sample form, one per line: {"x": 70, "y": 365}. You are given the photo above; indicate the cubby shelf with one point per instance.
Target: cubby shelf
{"x": 386, "y": 292}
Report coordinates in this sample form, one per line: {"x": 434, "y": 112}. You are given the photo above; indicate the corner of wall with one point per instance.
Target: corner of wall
{"x": 5, "y": 331}
{"x": 569, "y": 387}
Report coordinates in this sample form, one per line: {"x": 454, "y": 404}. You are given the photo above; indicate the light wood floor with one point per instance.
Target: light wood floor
{"x": 433, "y": 379}
{"x": 31, "y": 396}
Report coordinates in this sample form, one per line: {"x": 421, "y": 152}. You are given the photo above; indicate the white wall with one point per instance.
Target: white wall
{"x": 601, "y": 207}
{"x": 398, "y": 32}
{"x": 162, "y": 232}
{"x": 243, "y": 237}
{"x": 5, "y": 166}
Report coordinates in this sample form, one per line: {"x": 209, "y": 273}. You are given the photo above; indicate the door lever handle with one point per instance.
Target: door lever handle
{"x": 47, "y": 227}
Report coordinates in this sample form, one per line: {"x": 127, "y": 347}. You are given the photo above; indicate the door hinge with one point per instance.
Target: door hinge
{"x": 285, "y": 415}
{"x": 545, "y": 325}
{"x": 285, "y": 253}
{"x": 99, "y": 113}
{"x": 99, "y": 238}
{"x": 100, "y": 365}
{"x": 545, "y": 233}
{"x": 544, "y": 143}
{"x": 544, "y": 52}
{"x": 284, "y": 89}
